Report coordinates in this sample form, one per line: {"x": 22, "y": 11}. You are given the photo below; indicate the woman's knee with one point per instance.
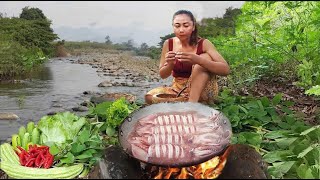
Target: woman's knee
{"x": 198, "y": 68}
{"x": 199, "y": 71}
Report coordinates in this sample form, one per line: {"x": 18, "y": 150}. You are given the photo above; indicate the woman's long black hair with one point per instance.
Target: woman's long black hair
{"x": 194, "y": 35}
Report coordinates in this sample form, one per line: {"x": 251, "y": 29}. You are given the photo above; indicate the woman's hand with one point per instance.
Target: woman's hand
{"x": 188, "y": 57}
{"x": 170, "y": 58}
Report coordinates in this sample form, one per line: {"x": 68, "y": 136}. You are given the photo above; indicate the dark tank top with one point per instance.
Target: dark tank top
{"x": 183, "y": 69}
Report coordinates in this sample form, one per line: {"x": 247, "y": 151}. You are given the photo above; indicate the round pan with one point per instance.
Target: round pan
{"x": 128, "y": 129}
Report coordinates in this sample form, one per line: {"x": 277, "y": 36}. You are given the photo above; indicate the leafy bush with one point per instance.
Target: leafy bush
{"x": 111, "y": 114}
{"x": 290, "y": 147}
{"x": 24, "y": 42}
{"x": 272, "y": 39}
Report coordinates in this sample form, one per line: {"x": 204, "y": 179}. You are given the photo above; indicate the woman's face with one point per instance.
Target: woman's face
{"x": 182, "y": 26}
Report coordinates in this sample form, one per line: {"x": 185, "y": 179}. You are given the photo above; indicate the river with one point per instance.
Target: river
{"x": 57, "y": 86}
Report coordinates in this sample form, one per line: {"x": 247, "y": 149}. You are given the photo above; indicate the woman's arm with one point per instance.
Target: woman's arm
{"x": 212, "y": 60}
{"x": 166, "y": 61}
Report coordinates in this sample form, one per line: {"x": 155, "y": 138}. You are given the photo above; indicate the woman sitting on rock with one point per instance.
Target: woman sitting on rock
{"x": 193, "y": 62}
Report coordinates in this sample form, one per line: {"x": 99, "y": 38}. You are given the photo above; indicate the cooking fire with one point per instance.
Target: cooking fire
{"x": 210, "y": 169}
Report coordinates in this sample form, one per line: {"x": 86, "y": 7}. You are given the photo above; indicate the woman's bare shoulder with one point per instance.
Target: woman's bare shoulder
{"x": 207, "y": 45}
{"x": 165, "y": 43}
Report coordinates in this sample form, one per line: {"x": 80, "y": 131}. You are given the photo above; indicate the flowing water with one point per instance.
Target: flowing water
{"x": 56, "y": 87}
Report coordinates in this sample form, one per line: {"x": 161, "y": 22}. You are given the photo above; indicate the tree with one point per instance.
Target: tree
{"x": 164, "y": 38}
{"x": 129, "y": 44}
{"x": 231, "y": 15}
{"x": 33, "y": 30}
{"x": 144, "y": 47}
{"x": 32, "y": 14}
{"x": 213, "y": 27}
{"x": 108, "y": 41}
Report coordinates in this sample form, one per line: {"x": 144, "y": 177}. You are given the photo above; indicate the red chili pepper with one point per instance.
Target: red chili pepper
{"x": 22, "y": 158}
{"x": 43, "y": 147}
{"x": 21, "y": 149}
{"x": 42, "y": 154}
{"x": 49, "y": 160}
{"x": 33, "y": 150}
{"x": 30, "y": 162}
{"x": 30, "y": 147}
{"x": 37, "y": 161}
{"x": 36, "y": 156}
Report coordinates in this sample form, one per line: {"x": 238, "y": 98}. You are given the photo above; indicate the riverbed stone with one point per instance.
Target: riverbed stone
{"x": 112, "y": 97}
{"x": 88, "y": 92}
{"x": 80, "y": 109}
{"x": 105, "y": 84}
{"x": 8, "y": 116}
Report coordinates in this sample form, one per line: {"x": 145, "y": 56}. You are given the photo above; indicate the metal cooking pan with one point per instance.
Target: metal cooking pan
{"x": 222, "y": 131}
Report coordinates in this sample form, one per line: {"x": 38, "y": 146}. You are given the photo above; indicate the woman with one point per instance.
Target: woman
{"x": 193, "y": 62}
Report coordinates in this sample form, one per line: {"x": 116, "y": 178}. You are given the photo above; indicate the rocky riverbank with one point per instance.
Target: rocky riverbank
{"x": 122, "y": 64}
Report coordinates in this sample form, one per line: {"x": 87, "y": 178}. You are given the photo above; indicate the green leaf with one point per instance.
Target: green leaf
{"x": 241, "y": 139}
{"x": 284, "y": 125}
{"x": 283, "y": 167}
{"x": 285, "y": 142}
{"x": 258, "y": 113}
{"x": 307, "y": 150}
{"x": 60, "y": 127}
{"x": 277, "y": 134}
{"x": 274, "y": 156}
{"x": 243, "y": 109}
{"x": 310, "y": 130}
{"x": 84, "y": 135}
{"x": 304, "y": 152}
{"x": 286, "y": 110}
{"x": 54, "y": 150}
{"x": 110, "y": 131}
{"x": 77, "y": 147}
{"x": 260, "y": 105}
{"x": 252, "y": 138}
{"x": 101, "y": 109}
{"x": 316, "y": 170}
{"x": 265, "y": 101}
{"x": 276, "y": 99}
{"x": 304, "y": 172}
{"x": 314, "y": 90}
{"x": 288, "y": 103}
{"x": 86, "y": 154}
{"x": 69, "y": 159}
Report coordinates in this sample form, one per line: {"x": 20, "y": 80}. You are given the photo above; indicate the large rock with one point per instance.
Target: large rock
{"x": 116, "y": 164}
{"x": 244, "y": 162}
{"x": 8, "y": 116}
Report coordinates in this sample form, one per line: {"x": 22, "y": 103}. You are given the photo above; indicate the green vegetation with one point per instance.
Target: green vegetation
{"x": 25, "y": 42}
{"x": 274, "y": 39}
{"x": 289, "y": 146}
{"x": 110, "y": 115}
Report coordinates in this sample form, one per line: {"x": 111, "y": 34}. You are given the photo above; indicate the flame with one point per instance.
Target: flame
{"x": 210, "y": 169}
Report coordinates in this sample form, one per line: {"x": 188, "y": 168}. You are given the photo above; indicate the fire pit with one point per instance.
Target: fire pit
{"x": 241, "y": 162}
{"x": 210, "y": 169}
{"x": 177, "y": 140}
